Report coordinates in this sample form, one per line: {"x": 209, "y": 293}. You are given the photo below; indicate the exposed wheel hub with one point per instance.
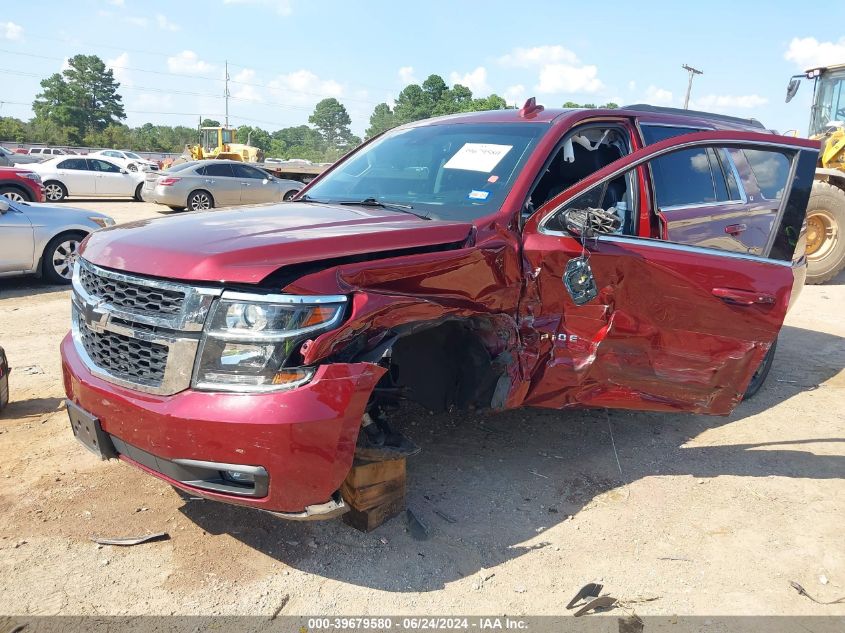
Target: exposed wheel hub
{"x": 821, "y": 234}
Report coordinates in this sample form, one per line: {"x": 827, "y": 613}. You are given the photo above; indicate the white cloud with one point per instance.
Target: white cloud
{"x": 281, "y": 7}
{"x": 65, "y": 65}
{"x": 117, "y": 3}
{"x": 118, "y": 65}
{"x": 475, "y": 80}
{"x": 515, "y": 95}
{"x": 808, "y": 52}
{"x": 304, "y": 87}
{"x": 567, "y": 78}
{"x": 164, "y": 24}
{"x": 726, "y": 103}
{"x": 632, "y": 85}
{"x": 140, "y": 22}
{"x": 658, "y": 96}
{"x": 11, "y": 31}
{"x": 538, "y": 56}
{"x": 246, "y": 92}
{"x": 188, "y": 62}
{"x": 406, "y": 75}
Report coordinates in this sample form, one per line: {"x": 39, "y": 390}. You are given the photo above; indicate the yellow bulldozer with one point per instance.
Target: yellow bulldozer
{"x": 222, "y": 142}
{"x": 826, "y": 209}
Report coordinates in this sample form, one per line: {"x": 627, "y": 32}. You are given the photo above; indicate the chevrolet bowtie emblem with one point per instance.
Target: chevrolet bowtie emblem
{"x": 95, "y": 318}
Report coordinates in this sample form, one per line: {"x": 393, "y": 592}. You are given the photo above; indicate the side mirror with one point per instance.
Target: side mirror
{"x": 124, "y": 172}
{"x": 792, "y": 88}
{"x": 590, "y": 223}
{"x": 4, "y": 204}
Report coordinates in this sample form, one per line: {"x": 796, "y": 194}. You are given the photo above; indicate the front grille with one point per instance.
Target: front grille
{"x": 123, "y": 357}
{"x": 132, "y": 297}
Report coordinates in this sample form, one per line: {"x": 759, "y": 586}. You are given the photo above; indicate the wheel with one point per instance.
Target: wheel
{"x": 132, "y": 167}
{"x": 825, "y": 222}
{"x": 290, "y": 194}
{"x": 54, "y": 191}
{"x": 60, "y": 256}
{"x": 200, "y": 201}
{"x": 762, "y": 372}
{"x": 137, "y": 195}
{"x": 15, "y": 195}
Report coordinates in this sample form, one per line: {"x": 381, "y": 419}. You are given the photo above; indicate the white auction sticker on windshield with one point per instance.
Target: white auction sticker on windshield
{"x": 478, "y": 157}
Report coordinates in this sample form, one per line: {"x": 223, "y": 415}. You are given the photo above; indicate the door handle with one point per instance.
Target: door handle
{"x": 735, "y": 229}
{"x": 743, "y": 297}
{"x": 245, "y": 184}
{"x": 209, "y": 182}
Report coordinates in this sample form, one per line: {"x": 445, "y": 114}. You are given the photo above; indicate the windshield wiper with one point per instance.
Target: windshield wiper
{"x": 372, "y": 202}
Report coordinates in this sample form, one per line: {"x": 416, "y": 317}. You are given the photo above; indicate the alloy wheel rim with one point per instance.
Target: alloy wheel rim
{"x": 200, "y": 202}
{"x": 821, "y": 234}
{"x": 53, "y": 192}
{"x": 64, "y": 258}
{"x": 14, "y": 196}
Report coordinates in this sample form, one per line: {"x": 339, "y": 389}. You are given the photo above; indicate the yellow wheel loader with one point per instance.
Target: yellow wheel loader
{"x": 826, "y": 209}
{"x": 222, "y": 142}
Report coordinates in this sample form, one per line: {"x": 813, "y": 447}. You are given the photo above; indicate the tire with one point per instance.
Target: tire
{"x": 132, "y": 167}
{"x": 290, "y": 194}
{"x": 15, "y": 195}
{"x": 200, "y": 200}
{"x": 137, "y": 195}
{"x": 59, "y": 257}
{"x": 54, "y": 191}
{"x": 825, "y": 226}
{"x": 762, "y": 372}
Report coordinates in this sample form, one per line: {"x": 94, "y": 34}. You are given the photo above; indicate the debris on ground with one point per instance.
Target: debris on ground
{"x": 282, "y": 605}
{"x": 417, "y": 528}
{"x": 131, "y": 540}
{"x": 589, "y": 598}
{"x": 803, "y": 592}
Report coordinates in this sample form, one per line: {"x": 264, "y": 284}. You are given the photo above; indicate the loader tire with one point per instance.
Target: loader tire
{"x": 825, "y": 239}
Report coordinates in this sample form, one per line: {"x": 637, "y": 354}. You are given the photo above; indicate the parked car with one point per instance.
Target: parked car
{"x": 43, "y": 239}
{"x": 4, "y": 379}
{"x": 20, "y": 184}
{"x": 127, "y": 160}
{"x": 10, "y": 159}
{"x": 205, "y": 184}
{"x": 49, "y": 152}
{"x": 634, "y": 258}
{"x": 85, "y": 176}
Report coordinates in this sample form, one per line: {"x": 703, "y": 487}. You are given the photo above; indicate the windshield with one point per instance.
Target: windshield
{"x": 829, "y": 103}
{"x": 133, "y": 155}
{"x": 448, "y": 172}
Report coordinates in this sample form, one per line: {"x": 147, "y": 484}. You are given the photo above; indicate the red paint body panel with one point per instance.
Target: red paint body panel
{"x": 246, "y": 244}
{"x": 304, "y": 438}
{"x": 14, "y": 177}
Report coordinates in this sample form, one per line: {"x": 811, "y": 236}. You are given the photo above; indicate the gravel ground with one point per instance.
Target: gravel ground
{"x": 709, "y": 516}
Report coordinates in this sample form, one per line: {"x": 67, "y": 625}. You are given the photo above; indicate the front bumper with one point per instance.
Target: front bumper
{"x": 303, "y": 438}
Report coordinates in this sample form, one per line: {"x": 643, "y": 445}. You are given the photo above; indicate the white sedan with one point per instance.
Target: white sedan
{"x": 87, "y": 176}
{"x": 128, "y": 160}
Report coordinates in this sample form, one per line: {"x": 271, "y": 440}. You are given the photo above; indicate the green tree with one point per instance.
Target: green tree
{"x": 115, "y": 135}
{"x": 456, "y": 99}
{"x": 571, "y": 104}
{"x": 82, "y": 99}
{"x": 412, "y": 104}
{"x": 301, "y": 141}
{"x": 12, "y": 129}
{"x": 434, "y": 87}
{"x": 332, "y": 121}
{"x": 381, "y": 119}
{"x": 254, "y": 136}
{"x": 210, "y": 123}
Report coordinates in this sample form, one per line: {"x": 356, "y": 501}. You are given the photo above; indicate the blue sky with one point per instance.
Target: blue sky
{"x": 285, "y": 55}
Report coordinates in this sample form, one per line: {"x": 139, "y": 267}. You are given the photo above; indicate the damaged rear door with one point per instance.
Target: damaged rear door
{"x": 626, "y": 321}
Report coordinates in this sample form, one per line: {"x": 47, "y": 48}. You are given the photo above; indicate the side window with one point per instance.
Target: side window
{"x": 764, "y": 173}
{"x": 688, "y": 177}
{"x": 244, "y": 171}
{"x": 101, "y": 165}
{"x": 223, "y": 170}
{"x": 654, "y": 133}
{"x": 73, "y": 163}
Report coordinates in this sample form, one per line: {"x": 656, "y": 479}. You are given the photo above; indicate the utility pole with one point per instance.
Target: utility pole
{"x": 226, "y": 93}
{"x": 692, "y": 73}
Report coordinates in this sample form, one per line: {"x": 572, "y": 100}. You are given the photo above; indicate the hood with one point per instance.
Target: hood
{"x": 41, "y": 212}
{"x": 246, "y": 244}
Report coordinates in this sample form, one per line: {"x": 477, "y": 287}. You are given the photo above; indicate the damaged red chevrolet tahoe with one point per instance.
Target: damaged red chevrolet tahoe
{"x": 637, "y": 258}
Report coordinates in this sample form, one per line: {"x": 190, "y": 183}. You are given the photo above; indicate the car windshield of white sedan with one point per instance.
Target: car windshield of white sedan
{"x": 446, "y": 171}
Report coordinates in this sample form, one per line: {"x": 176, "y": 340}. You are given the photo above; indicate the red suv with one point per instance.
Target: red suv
{"x": 638, "y": 258}
{"x": 21, "y": 185}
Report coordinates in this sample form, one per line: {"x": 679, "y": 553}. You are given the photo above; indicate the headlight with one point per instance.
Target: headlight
{"x": 103, "y": 222}
{"x": 31, "y": 175}
{"x": 251, "y": 342}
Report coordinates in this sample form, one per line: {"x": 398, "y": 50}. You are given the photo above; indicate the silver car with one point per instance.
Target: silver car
{"x": 205, "y": 184}
{"x": 43, "y": 239}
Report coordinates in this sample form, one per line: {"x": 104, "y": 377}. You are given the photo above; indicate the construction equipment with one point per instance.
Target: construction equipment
{"x": 222, "y": 142}
{"x": 826, "y": 209}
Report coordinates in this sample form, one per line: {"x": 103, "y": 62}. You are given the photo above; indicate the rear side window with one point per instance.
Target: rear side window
{"x": 101, "y": 165}
{"x": 220, "y": 170}
{"x": 688, "y": 177}
{"x": 764, "y": 173}
{"x": 73, "y": 163}
{"x": 244, "y": 171}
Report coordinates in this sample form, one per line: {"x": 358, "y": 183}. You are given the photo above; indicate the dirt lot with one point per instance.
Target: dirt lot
{"x": 708, "y": 515}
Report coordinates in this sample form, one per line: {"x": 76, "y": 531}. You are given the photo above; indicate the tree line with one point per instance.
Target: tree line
{"x": 81, "y": 106}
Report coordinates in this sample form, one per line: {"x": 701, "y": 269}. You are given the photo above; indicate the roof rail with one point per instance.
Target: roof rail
{"x": 644, "y": 107}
